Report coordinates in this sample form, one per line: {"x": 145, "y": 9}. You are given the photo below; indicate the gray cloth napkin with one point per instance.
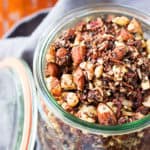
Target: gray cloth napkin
{"x": 23, "y": 47}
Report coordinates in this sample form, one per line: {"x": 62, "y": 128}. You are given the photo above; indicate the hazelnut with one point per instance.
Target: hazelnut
{"x": 71, "y": 98}
{"x": 67, "y": 82}
{"x": 88, "y": 113}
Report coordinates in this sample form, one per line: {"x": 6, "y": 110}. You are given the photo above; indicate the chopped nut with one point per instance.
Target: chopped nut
{"x": 127, "y": 113}
{"x": 127, "y": 103}
{"x": 124, "y": 35}
{"x": 78, "y": 78}
{"x": 105, "y": 115}
{"x": 146, "y": 102}
{"x": 134, "y": 26}
{"x": 138, "y": 115}
{"x": 52, "y": 69}
{"x": 78, "y": 54}
{"x": 119, "y": 71}
{"x": 88, "y": 113}
{"x": 53, "y": 85}
{"x": 89, "y": 69}
{"x": 67, "y": 82}
{"x": 145, "y": 83}
{"x": 148, "y": 46}
{"x": 119, "y": 52}
{"x": 98, "y": 71}
{"x": 50, "y": 56}
{"x": 62, "y": 52}
{"x": 71, "y": 98}
{"x": 122, "y": 21}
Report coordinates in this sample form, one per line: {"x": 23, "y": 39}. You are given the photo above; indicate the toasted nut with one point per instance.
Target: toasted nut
{"x": 71, "y": 98}
{"x": 145, "y": 83}
{"x": 127, "y": 113}
{"x": 105, "y": 115}
{"x": 53, "y": 85}
{"x": 52, "y": 69}
{"x": 50, "y": 56}
{"x": 67, "y": 82}
{"x": 134, "y": 26}
{"x": 127, "y": 103}
{"x": 89, "y": 69}
{"x": 78, "y": 78}
{"x": 98, "y": 71}
{"x": 122, "y": 21}
{"x": 62, "y": 52}
{"x": 87, "y": 113}
{"x": 124, "y": 35}
{"x": 138, "y": 115}
{"x": 148, "y": 46}
{"x": 78, "y": 54}
{"x": 119, "y": 71}
{"x": 119, "y": 52}
{"x": 146, "y": 102}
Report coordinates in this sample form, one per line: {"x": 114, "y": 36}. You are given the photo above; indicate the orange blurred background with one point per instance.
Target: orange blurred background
{"x": 13, "y": 10}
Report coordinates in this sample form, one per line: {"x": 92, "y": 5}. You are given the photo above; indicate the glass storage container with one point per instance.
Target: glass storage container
{"x": 18, "y": 123}
{"x": 60, "y": 130}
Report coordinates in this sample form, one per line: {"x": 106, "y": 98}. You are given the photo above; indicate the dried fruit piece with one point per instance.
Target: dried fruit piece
{"x": 78, "y": 78}
{"x": 134, "y": 26}
{"x": 87, "y": 113}
{"x": 53, "y": 85}
{"x": 52, "y": 69}
{"x": 98, "y": 71}
{"x": 146, "y": 102}
{"x": 105, "y": 115}
{"x": 71, "y": 98}
{"x": 67, "y": 82}
{"x": 122, "y": 21}
{"x": 50, "y": 56}
{"x": 78, "y": 54}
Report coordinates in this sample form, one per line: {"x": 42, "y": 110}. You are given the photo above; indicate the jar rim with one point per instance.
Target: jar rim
{"x": 46, "y": 39}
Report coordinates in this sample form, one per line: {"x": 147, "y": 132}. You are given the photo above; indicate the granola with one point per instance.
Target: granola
{"x": 99, "y": 70}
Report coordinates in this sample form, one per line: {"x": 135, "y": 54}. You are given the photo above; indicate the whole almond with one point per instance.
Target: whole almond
{"x": 78, "y": 78}
{"x": 105, "y": 115}
{"x": 78, "y": 54}
{"x": 52, "y": 69}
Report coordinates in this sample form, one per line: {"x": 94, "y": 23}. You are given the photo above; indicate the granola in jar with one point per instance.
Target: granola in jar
{"x": 99, "y": 72}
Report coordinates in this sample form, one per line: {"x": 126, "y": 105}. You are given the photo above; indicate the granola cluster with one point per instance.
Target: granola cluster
{"x": 99, "y": 70}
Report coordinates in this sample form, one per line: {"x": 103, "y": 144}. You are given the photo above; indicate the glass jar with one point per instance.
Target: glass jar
{"x": 18, "y": 109}
{"x": 58, "y": 129}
